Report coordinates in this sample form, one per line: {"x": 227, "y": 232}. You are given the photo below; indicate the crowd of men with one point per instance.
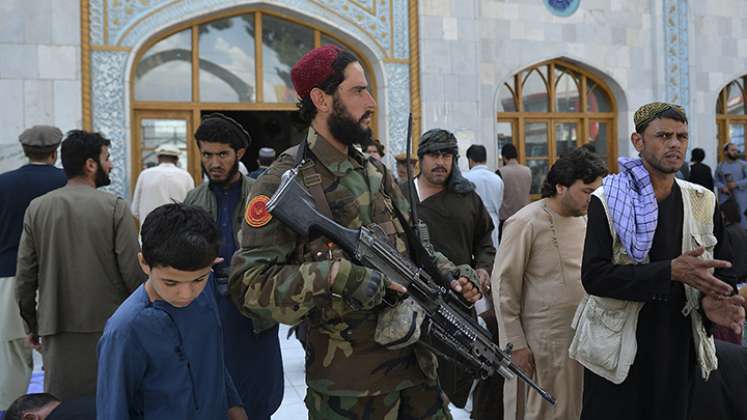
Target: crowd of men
{"x": 609, "y": 287}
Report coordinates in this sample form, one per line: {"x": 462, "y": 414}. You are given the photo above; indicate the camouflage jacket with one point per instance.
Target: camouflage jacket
{"x": 278, "y": 274}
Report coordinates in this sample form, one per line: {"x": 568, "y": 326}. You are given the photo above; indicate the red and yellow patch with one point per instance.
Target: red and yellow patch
{"x": 256, "y": 212}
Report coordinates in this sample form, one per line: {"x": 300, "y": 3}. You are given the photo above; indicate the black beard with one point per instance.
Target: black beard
{"x": 344, "y": 128}
{"x": 227, "y": 182}
{"x": 102, "y": 179}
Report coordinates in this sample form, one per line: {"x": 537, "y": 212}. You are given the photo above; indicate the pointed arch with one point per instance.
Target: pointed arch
{"x": 576, "y": 107}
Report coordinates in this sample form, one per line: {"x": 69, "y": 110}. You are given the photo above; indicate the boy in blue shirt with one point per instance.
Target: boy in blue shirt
{"x": 161, "y": 354}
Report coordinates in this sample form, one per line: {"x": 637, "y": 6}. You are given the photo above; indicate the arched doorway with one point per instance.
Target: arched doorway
{"x": 731, "y": 115}
{"x": 552, "y": 107}
{"x": 237, "y": 63}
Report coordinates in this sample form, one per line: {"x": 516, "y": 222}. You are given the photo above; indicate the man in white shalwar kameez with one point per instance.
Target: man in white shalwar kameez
{"x": 536, "y": 285}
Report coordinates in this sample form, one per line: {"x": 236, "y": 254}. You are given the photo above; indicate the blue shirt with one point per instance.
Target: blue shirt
{"x": 252, "y": 359}
{"x": 17, "y": 189}
{"x": 157, "y": 361}
{"x": 226, "y": 200}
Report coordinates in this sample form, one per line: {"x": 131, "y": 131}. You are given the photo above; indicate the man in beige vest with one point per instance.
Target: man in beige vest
{"x": 648, "y": 268}
{"x": 78, "y": 250}
{"x": 537, "y": 286}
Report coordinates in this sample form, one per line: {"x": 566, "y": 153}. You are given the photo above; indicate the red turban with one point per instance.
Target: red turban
{"x": 313, "y": 69}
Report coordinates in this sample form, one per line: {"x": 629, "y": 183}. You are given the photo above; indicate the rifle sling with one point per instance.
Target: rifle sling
{"x": 312, "y": 180}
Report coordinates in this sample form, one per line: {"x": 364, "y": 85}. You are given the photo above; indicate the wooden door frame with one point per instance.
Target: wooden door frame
{"x": 193, "y": 155}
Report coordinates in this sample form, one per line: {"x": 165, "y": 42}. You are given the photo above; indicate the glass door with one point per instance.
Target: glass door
{"x": 537, "y": 151}
{"x": 153, "y": 129}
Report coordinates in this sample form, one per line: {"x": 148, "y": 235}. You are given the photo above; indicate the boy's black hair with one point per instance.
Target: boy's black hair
{"x": 508, "y": 151}
{"x": 577, "y": 164}
{"x": 669, "y": 114}
{"x": 697, "y": 155}
{"x": 306, "y": 108}
{"x": 477, "y": 153}
{"x": 77, "y": 148}
{"x": 28, "y": 404}
{"x": 179, "y": 236}
{"x": 220, "y": 128}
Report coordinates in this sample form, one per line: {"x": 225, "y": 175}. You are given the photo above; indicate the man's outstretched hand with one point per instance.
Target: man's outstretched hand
{"x": 726, "y": 312}
{"x": 696, "y": 272}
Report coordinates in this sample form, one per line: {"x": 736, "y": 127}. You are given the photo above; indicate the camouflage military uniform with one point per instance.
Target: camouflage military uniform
{"x": 279, "y": 275}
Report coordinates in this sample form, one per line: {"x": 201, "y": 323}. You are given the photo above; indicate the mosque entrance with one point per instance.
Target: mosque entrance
{"x": 278, "y": 130}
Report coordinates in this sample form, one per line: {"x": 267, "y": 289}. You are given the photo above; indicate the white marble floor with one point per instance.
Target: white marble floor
{"x": 292, "y": 407}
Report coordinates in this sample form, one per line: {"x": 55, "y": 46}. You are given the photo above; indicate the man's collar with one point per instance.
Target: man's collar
{"x": 335, "y": 161}
{"x": 222, "y": 187}
{"x": 480, "y": 166}
{"x": 167, "y": 164}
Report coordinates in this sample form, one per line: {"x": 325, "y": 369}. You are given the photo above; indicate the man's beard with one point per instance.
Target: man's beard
{"x": 231, "y": 173}
{"x": 656, "y": 164}
{"x": 344, "y": 128}
{"x": 102, "y": 179}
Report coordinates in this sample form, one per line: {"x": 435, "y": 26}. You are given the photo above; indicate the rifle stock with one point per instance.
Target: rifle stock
{"x": 448, "y": 330}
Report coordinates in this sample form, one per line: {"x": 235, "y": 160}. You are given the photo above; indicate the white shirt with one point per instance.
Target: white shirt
{"x": 490, "y": 189}
{"x": 159, "y": 185}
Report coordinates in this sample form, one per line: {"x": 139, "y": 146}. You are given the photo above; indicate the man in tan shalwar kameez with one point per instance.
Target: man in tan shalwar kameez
{"x": 537, "y": 284}
{"x": 78, "y": 251}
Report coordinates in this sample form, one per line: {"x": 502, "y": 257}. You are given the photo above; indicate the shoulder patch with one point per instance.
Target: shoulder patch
{"x": 256, "y": 214}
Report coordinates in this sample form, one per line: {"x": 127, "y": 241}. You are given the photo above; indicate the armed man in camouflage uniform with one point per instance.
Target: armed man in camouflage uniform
{"x": 292, "y": 279}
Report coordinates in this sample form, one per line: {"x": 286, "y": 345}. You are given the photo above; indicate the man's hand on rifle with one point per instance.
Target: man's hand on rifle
{"x": 364, "y": 286}
{"x": 468, "y": 290}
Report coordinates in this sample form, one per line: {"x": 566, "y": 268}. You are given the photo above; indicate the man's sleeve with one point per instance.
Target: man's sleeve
{"x": 482, "y": 242}
{"x": 135, "y": 206}
{"x": 264, "y": 283}
{"x": 640, "y": 282}
{"x": 126, "y": 247}
{"x": 507, "y": 281}
{"x": 232, "y": 395}
{"x": 27, "y": 277}
{"x": 190, "y": 182}
{"x": 742, "y": 183}
{"x": 719, "y": 178}
{"x": 121, "y": 368}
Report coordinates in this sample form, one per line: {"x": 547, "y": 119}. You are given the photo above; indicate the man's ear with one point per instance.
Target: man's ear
{"x": 143, "y": 265}
{"x": 637, "y": 141}
{"x": 90, "y": 166}
{"x": 321, "y": 100}
{"x": 560, "y": 190}
{"x": 240, "y": 153}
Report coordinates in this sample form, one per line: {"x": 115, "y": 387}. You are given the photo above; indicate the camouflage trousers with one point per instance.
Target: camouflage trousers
{"x": 422, "y": 402}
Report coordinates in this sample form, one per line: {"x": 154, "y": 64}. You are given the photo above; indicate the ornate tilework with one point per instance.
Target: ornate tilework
{"x": 108, "y": 92}
{"x": 122, "y": 13}
{"x": 398, "y": 106}
{"x": 677, "y": 61}
{"x": 382, "y": 25}
{"x": 96, "y": 21}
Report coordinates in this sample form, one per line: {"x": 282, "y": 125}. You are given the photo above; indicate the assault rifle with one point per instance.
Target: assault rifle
{"x": 446, "y": 329}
